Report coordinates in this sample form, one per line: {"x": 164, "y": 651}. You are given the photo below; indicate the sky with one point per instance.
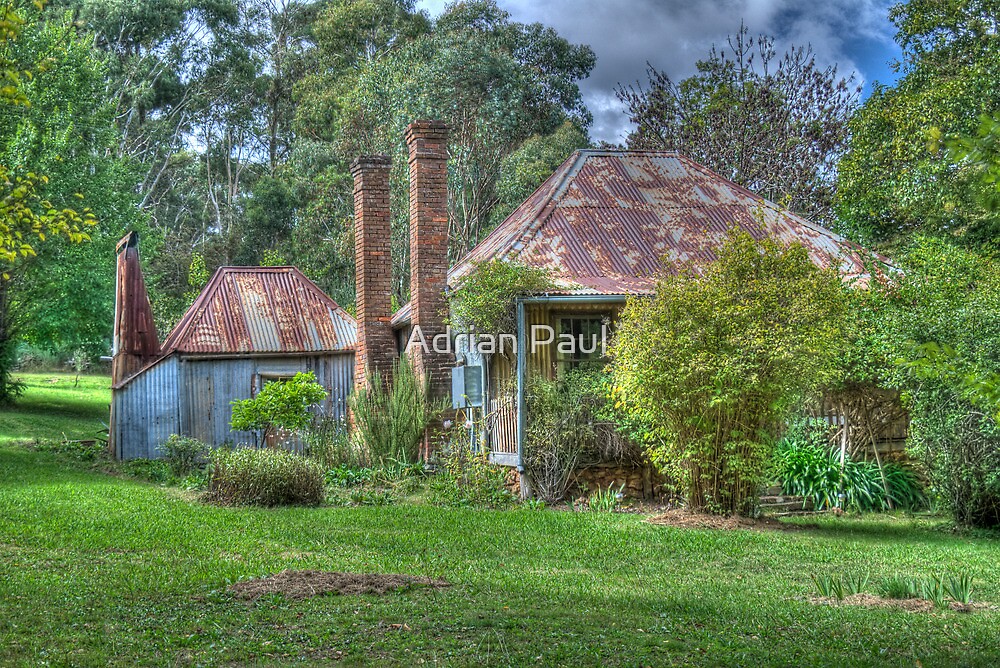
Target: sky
{"x": 672, "y": 35}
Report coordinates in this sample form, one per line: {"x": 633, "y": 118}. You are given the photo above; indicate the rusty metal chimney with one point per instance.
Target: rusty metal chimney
{"x": 373, "y": 268}
{"x": 135, "y": 343}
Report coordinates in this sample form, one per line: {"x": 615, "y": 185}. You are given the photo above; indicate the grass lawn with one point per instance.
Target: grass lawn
{"x": 54, "y": 405}
{"x": 98, "y": 570}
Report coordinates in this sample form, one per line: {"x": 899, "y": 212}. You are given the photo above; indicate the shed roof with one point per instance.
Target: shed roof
{"x": 254, "y": 310}
{"x": 605, "y": 222}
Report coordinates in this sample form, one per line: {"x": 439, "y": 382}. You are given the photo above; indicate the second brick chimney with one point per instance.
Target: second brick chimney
{"x": 427, "y": 142}
{"x": 373, "y": 268}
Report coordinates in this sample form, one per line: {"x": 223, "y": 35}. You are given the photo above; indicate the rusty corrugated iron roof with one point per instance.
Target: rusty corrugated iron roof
{"x": 253, "y": 310}
{"x": 605, "y": 222}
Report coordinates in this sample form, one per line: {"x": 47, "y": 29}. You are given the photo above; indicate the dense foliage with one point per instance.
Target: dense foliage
{"x": 932, "y": 331}
{"x": 775, "y": 124}
{"x": 244, "y": 476}
{"x": 806, "y": 464}
{"x": 718, "y": 358}
{"x": 896, "y": 178}
{"x": 484, "y": 300}
{"x": 468, "y": 479}
{"x": 184, "y": 454}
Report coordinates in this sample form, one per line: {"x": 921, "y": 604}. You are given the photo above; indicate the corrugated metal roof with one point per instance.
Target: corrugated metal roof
{"x": 253, "y": 310}
{"x": 605, "y": 221}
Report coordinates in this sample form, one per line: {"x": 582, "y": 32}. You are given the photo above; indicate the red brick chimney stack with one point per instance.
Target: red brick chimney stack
{"x": 428, "y": 148}
{"x": 373, "y": 268}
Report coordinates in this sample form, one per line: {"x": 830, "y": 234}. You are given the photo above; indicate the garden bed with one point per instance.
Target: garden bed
{"x": 305, "y": 584}
{"x": 866, "y": 600}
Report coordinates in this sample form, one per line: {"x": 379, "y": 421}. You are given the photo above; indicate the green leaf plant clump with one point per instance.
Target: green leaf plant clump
{"x": 279, "y": 405}
{"x": 717, "y": 359}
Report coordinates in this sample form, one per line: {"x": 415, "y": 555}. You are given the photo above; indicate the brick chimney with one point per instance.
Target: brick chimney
{"x": 373, "y": 268}
{"x": 428, "y": 148}
{"x": 134, "y": 343}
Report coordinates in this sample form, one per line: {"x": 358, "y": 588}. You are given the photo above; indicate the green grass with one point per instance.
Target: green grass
{"x": 98, "y": 570}
{"x": 55, "y": 406}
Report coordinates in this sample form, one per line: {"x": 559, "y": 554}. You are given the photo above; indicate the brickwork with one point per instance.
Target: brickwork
{"x": 428, "y": 162}
{"x": 373, "y": 268}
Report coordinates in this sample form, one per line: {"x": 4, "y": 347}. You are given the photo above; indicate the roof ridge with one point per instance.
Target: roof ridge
{"x": 549, "y": 204}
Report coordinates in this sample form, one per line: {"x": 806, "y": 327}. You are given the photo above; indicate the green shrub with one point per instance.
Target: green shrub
{"x": 279, "y": 405}
{"x": 560, "y": 432}
{"x": 348, "y": 476}
{"x": 183, "y": 454}
{"x": 720, "y": 356}
{"x": 153, "y": 470}
{"x": 961, "y": 448}
{"x": 806, "y": 465}
{"x": 265, "y": 478}
{"x": 371, "y": 497}
{"x": 390, "y": 421}
{"x": 468, "y": 478}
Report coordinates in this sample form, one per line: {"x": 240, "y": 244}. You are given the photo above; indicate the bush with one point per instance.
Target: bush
{"x": 560, "y": 433}
{"x": 961, "y": 448}
{"x": 806, "y": 465}
{"x": 720, "y": 356}
{"x": 468, "y": 478}
{"x": 183, "y": 454}
{"x": 265, "y": 478}
{"x": 390, "y": 421}
{"x": 279, "y": 405}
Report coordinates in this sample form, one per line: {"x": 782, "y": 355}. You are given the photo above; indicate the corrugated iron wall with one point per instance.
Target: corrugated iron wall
{"x": 146, "y": 411}
{"x": 193, "y": 397}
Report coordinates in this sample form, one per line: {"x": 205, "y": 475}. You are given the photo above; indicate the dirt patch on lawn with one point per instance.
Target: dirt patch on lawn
{"x": 865, "y": 600}
{"x": 687, "y": 519}
{"x": 303, "y": 584}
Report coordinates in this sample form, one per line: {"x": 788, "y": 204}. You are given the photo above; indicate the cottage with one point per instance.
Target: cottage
{"x": 249, "y": 326}
{"x": 602, "y": 226}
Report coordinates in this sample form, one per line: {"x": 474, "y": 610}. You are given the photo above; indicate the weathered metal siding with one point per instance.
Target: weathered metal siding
{"x": 146, "y": 411}
{"x": 193, "y": 397}
{"x": 211, "y": 385}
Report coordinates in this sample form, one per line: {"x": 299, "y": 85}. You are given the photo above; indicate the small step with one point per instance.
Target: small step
{"x": 784, "y": 503}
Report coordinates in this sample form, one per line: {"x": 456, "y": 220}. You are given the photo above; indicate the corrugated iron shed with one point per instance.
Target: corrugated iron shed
{"x": 259, "y": 310}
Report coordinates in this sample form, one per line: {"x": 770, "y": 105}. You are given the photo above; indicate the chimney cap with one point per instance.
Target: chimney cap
{"x": 366, "y": 162}
{"x": 424, "y": 127}
{"x": 130, "y": 240}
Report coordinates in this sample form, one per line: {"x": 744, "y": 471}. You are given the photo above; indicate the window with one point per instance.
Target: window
{"x": 580, "y": 340}
{"x": 265, "y": 378}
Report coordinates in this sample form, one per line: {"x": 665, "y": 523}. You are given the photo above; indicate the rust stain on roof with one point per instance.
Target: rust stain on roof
{"x": 606, "y": 222}
{"x": 253, "y": 310}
